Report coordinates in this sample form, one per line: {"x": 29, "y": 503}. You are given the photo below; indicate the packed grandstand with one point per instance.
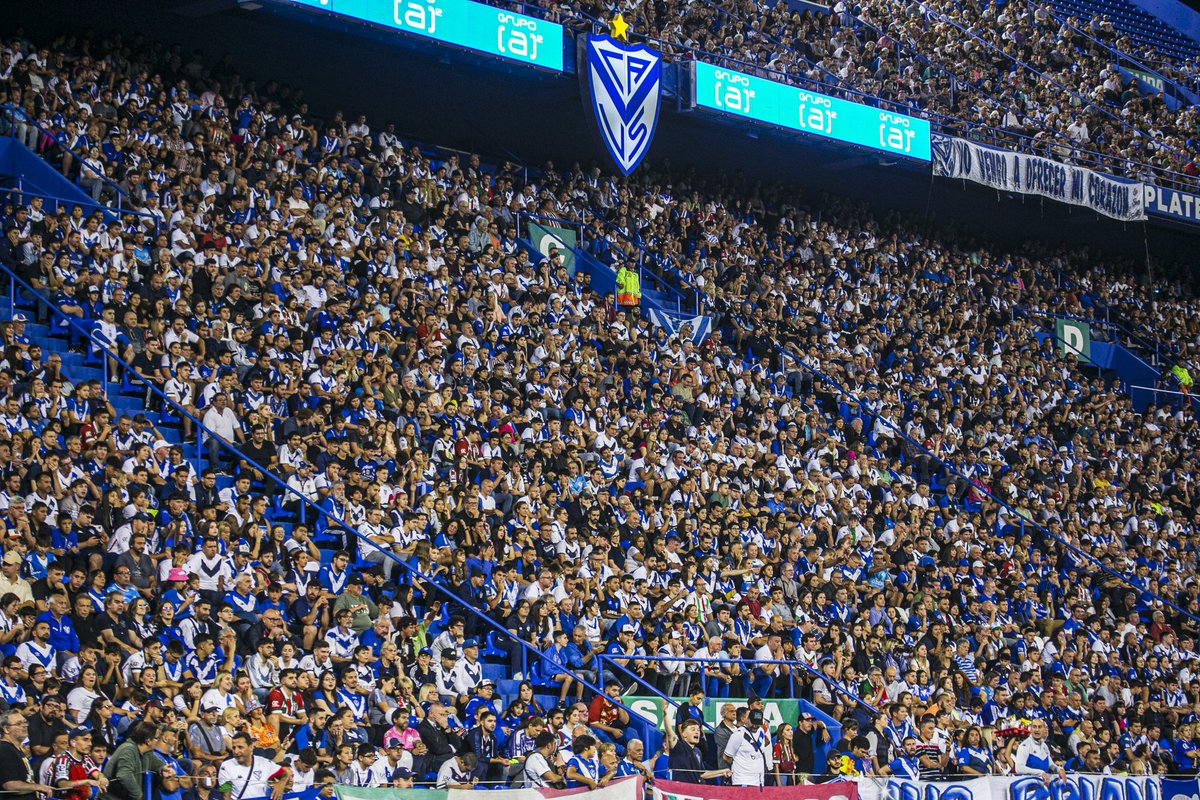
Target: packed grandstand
{"x": 1026, "y": 76}
{"x": 315, "y": 475}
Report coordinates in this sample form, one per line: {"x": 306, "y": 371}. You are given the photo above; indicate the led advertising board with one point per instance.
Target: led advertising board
{"x": 730, "y": 92}
{"x": 464, "y": 23}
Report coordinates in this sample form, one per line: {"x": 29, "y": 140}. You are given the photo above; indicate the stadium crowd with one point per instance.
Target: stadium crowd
{"x": 359, "y": 318}
{"x": 1016, "y": 75}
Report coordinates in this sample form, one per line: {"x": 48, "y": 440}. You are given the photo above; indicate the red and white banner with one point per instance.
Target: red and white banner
{"x": 673, "y": 790}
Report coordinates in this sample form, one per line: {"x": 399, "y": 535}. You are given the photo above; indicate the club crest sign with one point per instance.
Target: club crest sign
{"x": 625, "y": 82}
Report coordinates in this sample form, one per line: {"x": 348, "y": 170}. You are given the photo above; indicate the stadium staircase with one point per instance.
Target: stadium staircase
{"x": 23, "y": 174}
{"x": 1174, "y": 93}
{"x": 83, "y": 359}
{"x": 663, "y": 302}
{"x": 853, "y": 406}
{"x": 1140, "y": 25}
{"x": 129, "y": 396}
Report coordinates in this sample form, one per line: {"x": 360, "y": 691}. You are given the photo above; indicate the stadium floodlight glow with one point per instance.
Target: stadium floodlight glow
{"x": 465, "y": 23}
{"x": 736, "y": 93}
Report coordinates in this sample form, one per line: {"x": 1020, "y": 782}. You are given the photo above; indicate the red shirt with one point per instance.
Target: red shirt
{"x": 602, "y": 711}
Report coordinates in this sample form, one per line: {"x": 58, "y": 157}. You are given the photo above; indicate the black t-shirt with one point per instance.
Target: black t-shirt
{"x": 14, "y": 766}
{"x": 42, "y": 733}
{"x": 686, "y": 763}
{"x": 85, "y": 628}
{"x": 261, "y": 454}
{"x": 119, "y": 627}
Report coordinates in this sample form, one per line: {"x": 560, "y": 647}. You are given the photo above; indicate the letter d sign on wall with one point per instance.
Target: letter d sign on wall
{"x": 1074, "y": 338}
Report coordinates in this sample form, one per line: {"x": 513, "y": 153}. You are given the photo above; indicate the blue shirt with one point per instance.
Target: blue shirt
{"x": 332, "y": 581}
{"x": 905, "y": 767}
{"x": 584, "y": 766}
{"x": 576, "y": 653}
{"x": 62, "y": 633}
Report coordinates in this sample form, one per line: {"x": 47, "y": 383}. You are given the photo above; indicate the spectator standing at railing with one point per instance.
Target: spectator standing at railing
{"x": 748, "y": 752}
{"x": 686, "y": 759}
{"x": 1033, "y": 756}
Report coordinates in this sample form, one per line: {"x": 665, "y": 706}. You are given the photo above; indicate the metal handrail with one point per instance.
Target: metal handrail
{"x": 7, "y": 113}
{"x": 56, "y": 203}
{"x": 336, "y": 521}
{"x": 605, "y": 658}
{"x": 937, "y": 14}
{"x": 1116, "y": 329}
{"x": 837, "y": 685}
{"x": 584, "y": 251}
{"x": 788, "y": 354}
{"x": 1120, "y": 55}
{"x": 1137, "y": 332}
{"x": 647, "y": 256}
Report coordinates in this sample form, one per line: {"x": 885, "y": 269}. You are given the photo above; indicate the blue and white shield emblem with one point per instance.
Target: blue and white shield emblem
{"x": 625, "y": 82}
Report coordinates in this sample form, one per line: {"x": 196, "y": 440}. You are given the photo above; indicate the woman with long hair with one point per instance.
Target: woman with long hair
{"x": 526, "y": 695}
{"x": 82, "y": 698}
{"x": 140, "y": 621}
{"x": 100, "y": 718}
{"x": 12, "y": 629}
{"x": 324, "y": 695}
{"x": 784, "y": 753}
{"x": 973, "y": 756}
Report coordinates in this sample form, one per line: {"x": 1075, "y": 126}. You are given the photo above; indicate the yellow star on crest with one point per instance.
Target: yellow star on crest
{"x": 619, "y": 28}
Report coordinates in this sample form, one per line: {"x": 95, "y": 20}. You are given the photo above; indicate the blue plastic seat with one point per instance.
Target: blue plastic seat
{"x": 490, "y": 650}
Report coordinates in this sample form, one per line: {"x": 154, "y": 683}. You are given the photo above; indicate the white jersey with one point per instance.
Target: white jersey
{"x": 248, "y": 781}
{"x": 1033, "y": 757}
{"x": 750, "y": 753}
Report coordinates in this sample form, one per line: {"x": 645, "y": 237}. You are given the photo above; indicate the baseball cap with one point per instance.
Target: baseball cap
{"x": 401, "y": 772}
{"x": 79, "y": 730}
{"x": 627, "y": 629}
{"x": 470, "y": 643}
{"x": 11, "y": 557}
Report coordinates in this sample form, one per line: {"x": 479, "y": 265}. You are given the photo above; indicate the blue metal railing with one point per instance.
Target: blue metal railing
{"x": 669, "y": 276}
{"x": 584, "y": 252}
{"x": 336, "y": 522}
{"x": 1178, "y": 91}
{"x": 838, "y": 686}
{"x": 1125, "y": 124}
{"x": 11, "y": 117}
{"x": 1141, "y": 336}
{"x": 53, "y": 204}
{"x": 1046, "y": 532}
